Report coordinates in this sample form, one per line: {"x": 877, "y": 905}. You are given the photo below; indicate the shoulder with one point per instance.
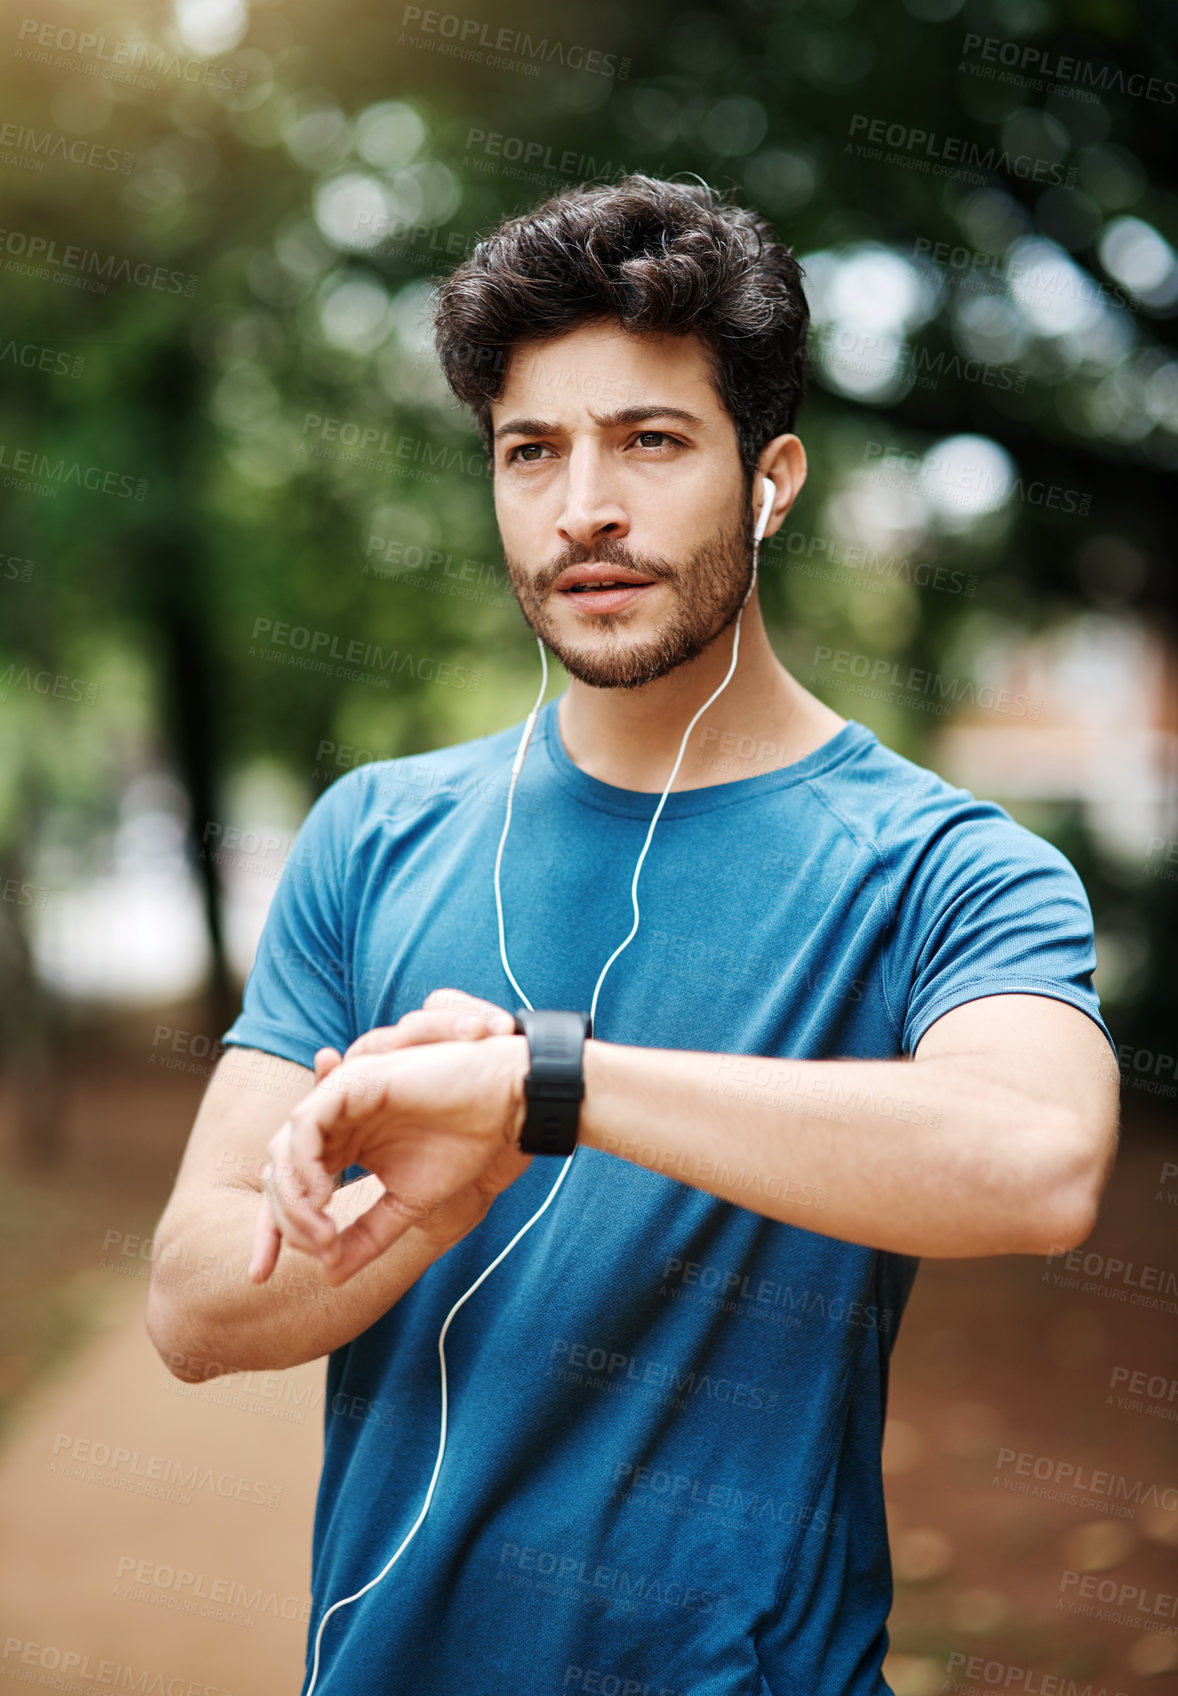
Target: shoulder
{"x": 382, "y": 789}
{"x": 917, "y": 824}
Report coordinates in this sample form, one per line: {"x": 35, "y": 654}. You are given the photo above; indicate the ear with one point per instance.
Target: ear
{"x": 783, "y": 463}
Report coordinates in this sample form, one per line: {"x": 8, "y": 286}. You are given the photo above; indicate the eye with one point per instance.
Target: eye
{"x": 529, "y": 449}
{"x": 643, "y": 439}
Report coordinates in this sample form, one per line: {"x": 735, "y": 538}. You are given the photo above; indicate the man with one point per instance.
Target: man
{"x": 855, "y": 1025}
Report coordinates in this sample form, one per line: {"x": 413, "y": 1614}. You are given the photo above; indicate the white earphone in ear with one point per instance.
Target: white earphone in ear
{"x": 766, "y": 507}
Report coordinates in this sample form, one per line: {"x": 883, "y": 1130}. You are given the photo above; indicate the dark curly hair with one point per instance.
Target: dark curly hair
{"x": 652, "y": 256}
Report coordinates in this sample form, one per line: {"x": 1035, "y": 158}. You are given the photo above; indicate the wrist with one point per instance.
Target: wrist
{"x": 595, "y": 1064}
{"x": 516, "y": 1063}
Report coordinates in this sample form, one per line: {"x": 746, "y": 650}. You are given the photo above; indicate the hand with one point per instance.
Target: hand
{"x": 412, "y": 1102}
{"x": 446, "y": 1015}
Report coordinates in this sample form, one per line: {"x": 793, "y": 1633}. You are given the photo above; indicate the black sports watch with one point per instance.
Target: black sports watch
{"x": 555, "y": 1084}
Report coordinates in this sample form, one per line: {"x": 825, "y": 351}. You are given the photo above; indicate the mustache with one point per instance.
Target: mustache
{"x": 604, "y": 553}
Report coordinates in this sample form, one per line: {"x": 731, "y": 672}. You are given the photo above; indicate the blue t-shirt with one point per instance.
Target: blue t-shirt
{"x": 662, "y": 1469}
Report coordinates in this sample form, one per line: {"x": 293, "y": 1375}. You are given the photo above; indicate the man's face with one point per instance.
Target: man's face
{"x": 615, "y": 462}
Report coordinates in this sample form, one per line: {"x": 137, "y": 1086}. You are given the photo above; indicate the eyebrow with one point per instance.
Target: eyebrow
{"x": 604, "y": 420}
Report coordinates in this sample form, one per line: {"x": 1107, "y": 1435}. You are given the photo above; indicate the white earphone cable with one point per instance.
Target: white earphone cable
{"x": 516, "y": 768}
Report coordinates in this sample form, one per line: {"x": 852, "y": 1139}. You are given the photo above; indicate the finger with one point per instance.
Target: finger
{"x": 367, "y": 1237}
{"x": 318, "y": 1140}
{"x": 300, "y": 1227}
{"x": 421, "y": 1026}
{"x": 469, "y": 1027}
{"x": 293, "y": 1214}
{"x": 458, "y": 1001}
{"x": 412, "y": 1028}
{"x": 267, "y": 1241}
{"x": 376, "y": 1041}
{"x": 326, "y": 1060}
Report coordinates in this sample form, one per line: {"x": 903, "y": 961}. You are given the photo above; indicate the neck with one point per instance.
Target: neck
{"x": 763, "y": 720}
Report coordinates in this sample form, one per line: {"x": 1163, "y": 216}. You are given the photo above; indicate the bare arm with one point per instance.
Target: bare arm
{"x": 205, "y": 1315}
{"x": 996, "y": 1138}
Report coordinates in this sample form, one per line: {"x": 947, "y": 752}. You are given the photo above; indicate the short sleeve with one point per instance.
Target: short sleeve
{"x": 297, "y": 997}
{"x": 996, "y": 911}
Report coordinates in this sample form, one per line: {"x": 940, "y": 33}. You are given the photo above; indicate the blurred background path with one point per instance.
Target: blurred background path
{"x": 156, "y": 1526}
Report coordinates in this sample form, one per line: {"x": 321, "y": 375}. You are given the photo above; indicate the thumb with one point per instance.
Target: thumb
{"x": 326, "y": 1061}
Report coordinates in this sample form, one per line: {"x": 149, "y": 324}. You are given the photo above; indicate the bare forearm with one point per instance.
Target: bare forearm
{"x": 889, "y": 1153}
{"x": 206, "y": 1317}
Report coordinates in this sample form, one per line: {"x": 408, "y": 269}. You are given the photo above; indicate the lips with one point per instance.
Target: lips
{"x": 605, "y": 583}
{"x": 602, "y": 588}
{"x": 581, "y": 578}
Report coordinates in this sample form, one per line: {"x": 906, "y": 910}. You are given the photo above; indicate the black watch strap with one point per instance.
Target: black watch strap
{"x": 555, "y": 1084}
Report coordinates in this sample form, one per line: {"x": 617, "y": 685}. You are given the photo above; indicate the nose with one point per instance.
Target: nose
{"x": 592, "y": 511}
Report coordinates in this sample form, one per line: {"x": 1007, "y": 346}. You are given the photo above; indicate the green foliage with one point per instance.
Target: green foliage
{"x": 204, "y": 401}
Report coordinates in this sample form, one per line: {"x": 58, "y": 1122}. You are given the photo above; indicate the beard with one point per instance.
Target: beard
{"x": 709, "y": 589}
